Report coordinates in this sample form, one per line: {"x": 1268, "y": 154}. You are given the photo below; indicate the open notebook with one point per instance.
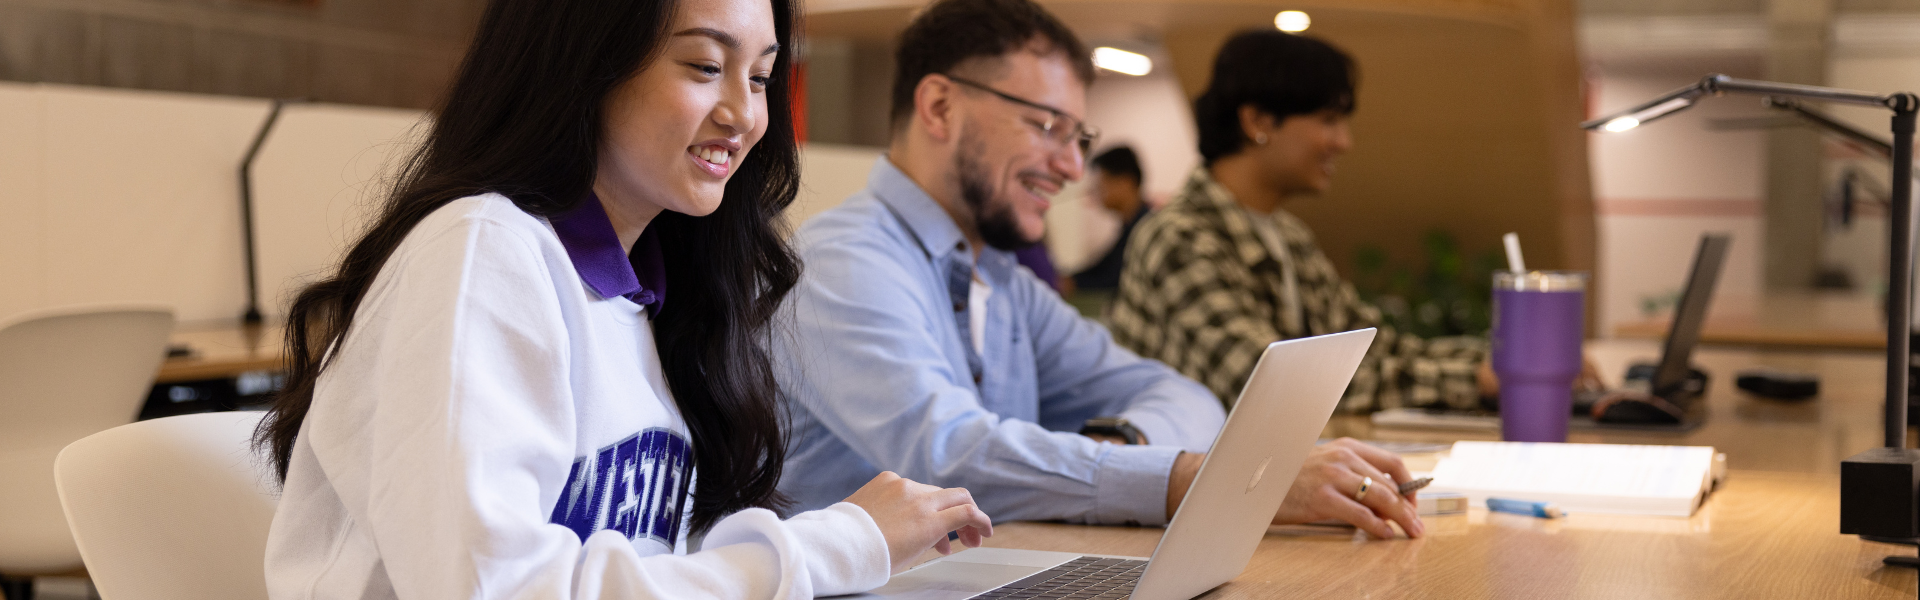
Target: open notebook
{"x": 1590, "y": 478}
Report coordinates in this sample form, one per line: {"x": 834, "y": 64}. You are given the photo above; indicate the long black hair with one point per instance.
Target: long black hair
{"x": 524, "y": 119}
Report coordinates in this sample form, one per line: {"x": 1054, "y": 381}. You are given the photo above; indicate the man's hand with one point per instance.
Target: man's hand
{"x": 1185, "y": 467}
{"x": 1489, "y": 384}
{"x": 1589, "y": 380}
{"x": 916, "y": 516}
{"x": 1333, "y": 473}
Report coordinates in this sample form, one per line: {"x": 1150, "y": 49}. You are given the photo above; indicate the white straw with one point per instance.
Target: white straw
{"x": 1512, "y": 240}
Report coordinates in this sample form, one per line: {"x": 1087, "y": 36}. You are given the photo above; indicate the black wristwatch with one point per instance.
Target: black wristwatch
{"x": 1114, "y": 426}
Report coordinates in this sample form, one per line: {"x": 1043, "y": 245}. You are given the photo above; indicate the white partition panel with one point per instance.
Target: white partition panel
{"x": 119, "y": 195}
{"x": 113, "y": 195}
{"x": 317, "y": 183}
{"x": 22, "y": 266}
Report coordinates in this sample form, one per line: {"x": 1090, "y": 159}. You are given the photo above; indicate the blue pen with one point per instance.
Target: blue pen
{"x": 1544, "y": 510}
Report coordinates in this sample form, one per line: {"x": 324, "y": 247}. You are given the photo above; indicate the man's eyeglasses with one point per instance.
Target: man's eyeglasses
{"x": 1059, "y": 126}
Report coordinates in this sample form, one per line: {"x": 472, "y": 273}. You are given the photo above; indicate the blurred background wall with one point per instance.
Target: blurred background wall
{"x": 373, "y": 52}
{"x": 139, "y": 111}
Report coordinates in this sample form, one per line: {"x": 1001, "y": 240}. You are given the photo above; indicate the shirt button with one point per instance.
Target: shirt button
{"x": 976, "y": 380}
{"x": 957, "y": 307}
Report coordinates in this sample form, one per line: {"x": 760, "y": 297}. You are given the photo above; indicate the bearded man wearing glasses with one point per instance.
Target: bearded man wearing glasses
{"x": 917, "y": 345}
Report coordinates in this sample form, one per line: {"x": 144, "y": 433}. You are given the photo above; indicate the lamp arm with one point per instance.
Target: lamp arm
{"x": 1687, "y": 93}
{"x": 1879, "y": 146}
{"x": 252, "y": 314}
{"x": 1721, "y": 84}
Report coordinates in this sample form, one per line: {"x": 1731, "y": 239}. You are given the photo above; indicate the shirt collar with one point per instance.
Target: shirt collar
{"x": 594, "y": 249}
{"x": 1207, "y": 193}
{"x": 929, "y": 224}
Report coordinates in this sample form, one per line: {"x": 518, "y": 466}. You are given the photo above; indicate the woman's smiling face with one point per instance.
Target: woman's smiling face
{"x": 678, "y": 129}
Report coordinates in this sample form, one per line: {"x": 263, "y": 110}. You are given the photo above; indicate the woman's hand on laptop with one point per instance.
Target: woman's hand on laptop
{"x": 915, "y": 516}
{"x": 1332, "y": 477}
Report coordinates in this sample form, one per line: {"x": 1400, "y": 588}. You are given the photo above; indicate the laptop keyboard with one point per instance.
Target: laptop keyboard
{"x": 1082, "y": 578}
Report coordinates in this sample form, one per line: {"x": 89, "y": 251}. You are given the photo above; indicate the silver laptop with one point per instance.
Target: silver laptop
{"x": 1273, "y": 426}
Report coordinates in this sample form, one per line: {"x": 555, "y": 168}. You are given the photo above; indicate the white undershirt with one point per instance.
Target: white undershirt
{"x": 1268, "y": 230}
{"x": 977, "y": 294}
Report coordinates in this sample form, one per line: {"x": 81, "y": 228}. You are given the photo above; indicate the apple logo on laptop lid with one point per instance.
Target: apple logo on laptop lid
{"x": 1257, "y": 473}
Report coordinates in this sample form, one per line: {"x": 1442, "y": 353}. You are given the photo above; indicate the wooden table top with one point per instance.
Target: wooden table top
{"x": 222, "y": 351}
{"x": 1806, "y": 436}
{"x": 1750, "y": 333}
{"x": 1770, "y": 531}
{"x": 1761, "y": 535}
{"x": 1787, "y": 319}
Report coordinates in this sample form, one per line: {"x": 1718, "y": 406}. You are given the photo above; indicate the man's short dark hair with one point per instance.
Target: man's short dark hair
{"x": 1280, "y": 74}
{"x": 950, "y": 32}
{"x": 1119, "y": 160}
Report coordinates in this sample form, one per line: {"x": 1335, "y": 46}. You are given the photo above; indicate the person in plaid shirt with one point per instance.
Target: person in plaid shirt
{"x": 1222, "y": 270}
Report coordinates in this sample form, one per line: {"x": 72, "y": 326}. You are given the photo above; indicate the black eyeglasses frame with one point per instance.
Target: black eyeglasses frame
{"x": 1082, "y": 134}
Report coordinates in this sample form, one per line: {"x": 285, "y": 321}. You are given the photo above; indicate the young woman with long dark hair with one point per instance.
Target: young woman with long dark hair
{"x": 543, "y": 367}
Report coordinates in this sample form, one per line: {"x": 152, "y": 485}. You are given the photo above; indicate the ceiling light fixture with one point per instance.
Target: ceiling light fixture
{"x": 1122, "y": 61}
{"x": 1292, "y": 21}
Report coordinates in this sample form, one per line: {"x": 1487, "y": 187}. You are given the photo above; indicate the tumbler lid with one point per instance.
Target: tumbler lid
{"x": 1541, "y": 281}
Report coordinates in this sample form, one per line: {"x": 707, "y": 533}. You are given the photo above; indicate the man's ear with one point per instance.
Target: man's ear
{"x": 933, "y": 107}
{"x": 1255, "y": 124}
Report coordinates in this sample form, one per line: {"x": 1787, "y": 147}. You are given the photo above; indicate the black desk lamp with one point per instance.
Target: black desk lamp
{"x": 251, "y": 317}
{"x": 1878, "y": 146}
{"x": 1879, "y": 488}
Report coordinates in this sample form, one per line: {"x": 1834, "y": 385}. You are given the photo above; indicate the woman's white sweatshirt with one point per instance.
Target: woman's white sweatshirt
{"x": 492, "y": 427}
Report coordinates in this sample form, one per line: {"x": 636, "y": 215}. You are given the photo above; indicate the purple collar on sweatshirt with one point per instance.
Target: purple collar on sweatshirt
{"x": 594, "y": 249}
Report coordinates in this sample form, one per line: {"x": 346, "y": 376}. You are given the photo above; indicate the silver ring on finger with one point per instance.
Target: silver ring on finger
{"x": 1366, "y": 483}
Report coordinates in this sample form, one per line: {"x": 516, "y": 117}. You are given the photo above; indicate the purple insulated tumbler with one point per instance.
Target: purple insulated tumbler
{"x": 1539, "y": 318}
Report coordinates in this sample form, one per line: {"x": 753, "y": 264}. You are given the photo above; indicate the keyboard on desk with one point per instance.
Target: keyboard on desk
{"x": 1087, "y": 577}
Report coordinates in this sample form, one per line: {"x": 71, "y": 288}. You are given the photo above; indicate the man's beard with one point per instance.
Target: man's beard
{"x": 999, "y": 227}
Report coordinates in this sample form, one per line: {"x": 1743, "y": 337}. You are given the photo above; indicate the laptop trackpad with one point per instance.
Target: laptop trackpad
{"x": 950, "y": 580}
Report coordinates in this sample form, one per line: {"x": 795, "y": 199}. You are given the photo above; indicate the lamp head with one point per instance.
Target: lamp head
{"x": 1619, "y": 124}
{"x": 1645, "y": 113}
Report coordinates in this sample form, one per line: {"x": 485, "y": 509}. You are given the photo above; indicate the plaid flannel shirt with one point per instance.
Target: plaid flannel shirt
{"x": 1201, "y": 292}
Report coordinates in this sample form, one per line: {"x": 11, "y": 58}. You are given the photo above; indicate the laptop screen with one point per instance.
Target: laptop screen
{"x": 1691, "y": 313}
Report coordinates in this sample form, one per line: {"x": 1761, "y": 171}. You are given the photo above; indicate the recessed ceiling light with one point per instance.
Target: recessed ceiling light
{"x": 1292, "y": 21}
{"x": 1122, "y": 61}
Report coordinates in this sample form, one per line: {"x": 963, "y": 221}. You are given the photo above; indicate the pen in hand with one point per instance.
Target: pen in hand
{"x": 1414, "y": 486}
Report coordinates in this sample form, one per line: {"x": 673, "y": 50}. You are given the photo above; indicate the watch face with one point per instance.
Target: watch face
{"x": 1113, "y": 426}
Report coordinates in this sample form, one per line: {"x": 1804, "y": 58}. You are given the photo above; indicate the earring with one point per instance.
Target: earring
{"x": 1260, "y": 138}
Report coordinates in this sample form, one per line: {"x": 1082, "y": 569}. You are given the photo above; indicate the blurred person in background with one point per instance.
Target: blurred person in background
{"x": 1120, "y": 191}
{"x": 1223, "y": 270}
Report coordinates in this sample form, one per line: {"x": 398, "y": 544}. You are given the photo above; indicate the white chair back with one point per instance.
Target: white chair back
{"x": 171, "y": 509}
{"x": 64, "y": 374}
{"x": 72, "y": 373}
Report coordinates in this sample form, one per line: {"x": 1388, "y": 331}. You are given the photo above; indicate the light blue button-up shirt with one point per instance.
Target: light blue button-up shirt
{"x": 880, "y": 373}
